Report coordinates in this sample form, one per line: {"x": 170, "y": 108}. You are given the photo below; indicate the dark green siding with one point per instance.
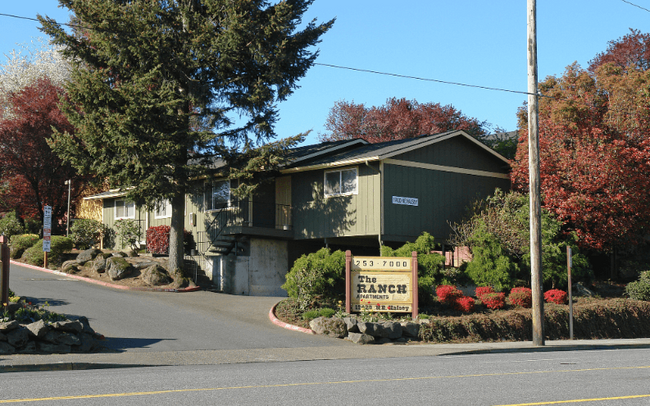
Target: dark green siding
{"x": 318, "y": 217}
{"x": 442, "y": 197}
{"x": 458, "y": 152}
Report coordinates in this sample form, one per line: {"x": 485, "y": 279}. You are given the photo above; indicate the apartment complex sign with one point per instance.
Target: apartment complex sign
{"x": 381, "y": 284}
{"x": 47, "y": 228}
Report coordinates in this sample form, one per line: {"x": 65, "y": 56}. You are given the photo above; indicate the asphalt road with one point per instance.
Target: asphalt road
{"x": 604, "y": 377}
{"x": 163, "y": 321}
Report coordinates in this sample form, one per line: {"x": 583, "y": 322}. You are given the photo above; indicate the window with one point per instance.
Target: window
{"x": 163, "y": 210}
{"x": 217, "y": 195}
{"x": 124, "y": 210}
{"x": 339, "y": 183}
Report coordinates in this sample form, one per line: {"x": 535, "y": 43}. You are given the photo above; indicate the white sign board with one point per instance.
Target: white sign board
{"x": 406, "y": 201}
{"x": 47, "y": 227}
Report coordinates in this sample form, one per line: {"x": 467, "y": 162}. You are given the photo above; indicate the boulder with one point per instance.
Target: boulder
{"x": 331, "y": 327}
{"x": 88, "y": 343}
{"x": 156, "y": 275}
{"x": 71, "y": 266}
{"x": 30, "y": 348}
{"x": 390, "y": 329}
{"x": 70, "y": 326}
{"x": 18, "y": 337}
{"x": 6, "y": 349}
{"x": 120, "y": 254}
{"x": 53, "y": 348}
{"x": 87, "y": 255}
{"x": 37, "y": 329}
{"x": 360, "y": 338}
{"x": 99, "y": 264}
{"x": 131, "y": 253}
{"x": 351, "y": 324}
{"x": 410, "y": 329}
{"x": 118, "y": 268}
{"x": 9, "y": 325}
{"x": 61, "y": 337}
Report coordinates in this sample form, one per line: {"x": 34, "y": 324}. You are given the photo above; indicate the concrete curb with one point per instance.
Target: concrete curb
{"x": 106, "y": 284}
{"x": 287, "y": 326}
{"x": 66, "y": 366}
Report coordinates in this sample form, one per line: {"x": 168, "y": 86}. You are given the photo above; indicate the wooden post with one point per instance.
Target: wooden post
{"x": 569, "y": 263}
{"x": 414, "y": 267}
{"x": 348, "y": 281}
{"x": 6, "y": 262}
{"x": 534, "y": 180}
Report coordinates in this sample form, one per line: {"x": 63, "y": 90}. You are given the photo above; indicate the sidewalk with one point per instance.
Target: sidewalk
{"x": 60, "y": 362}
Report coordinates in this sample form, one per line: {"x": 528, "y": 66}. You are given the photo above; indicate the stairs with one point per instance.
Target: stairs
{"x": 223, "y": 245}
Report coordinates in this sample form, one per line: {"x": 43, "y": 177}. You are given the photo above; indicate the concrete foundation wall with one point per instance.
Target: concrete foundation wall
{"x": 259, "y": 274}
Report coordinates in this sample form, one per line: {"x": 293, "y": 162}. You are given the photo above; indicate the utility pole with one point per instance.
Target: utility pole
{"x": 534, "y": 180}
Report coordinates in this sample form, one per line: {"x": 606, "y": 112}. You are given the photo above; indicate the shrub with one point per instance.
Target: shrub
{"x": 129, "y": 232}
{"x": 58, "y": 246}
{"x": 327, "y": 312}
{"x": 522, "y": 297}
{"x": 86, "y": 232}
{"x": 430, "y": 266}
{"x": 556, "y": 296}
{"x": 640, "y": 289}
{"x": 494, "y": 301}
{"x": 465, "y": 304}
{"x": 19, "y": 243}
{"x": 448, "y": 294}
{"x": 10, "y": 225}
{"x": 317, "y": 278}
{"x": 491, "y": 265}
{"x": 482, "y": 291}
{"x": 310, "y": 314}
{"x": 158, "y": 239}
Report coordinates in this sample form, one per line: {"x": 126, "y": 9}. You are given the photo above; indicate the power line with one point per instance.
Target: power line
{"x": 635, "y": 5}
{"x": 397, "y": 75}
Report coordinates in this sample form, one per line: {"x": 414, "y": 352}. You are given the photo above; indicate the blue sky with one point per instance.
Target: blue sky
{"x": 467, "y": 41}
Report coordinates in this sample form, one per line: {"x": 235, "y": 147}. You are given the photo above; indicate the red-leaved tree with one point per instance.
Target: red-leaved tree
{"x": 35, "y": 176}
{"x": 594, "y": 154}
{"x": 397, "y": 119}
{"x": 632, "y": 49}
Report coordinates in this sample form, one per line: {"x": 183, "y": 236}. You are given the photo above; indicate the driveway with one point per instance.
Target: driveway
{"x": 163, "y": 321}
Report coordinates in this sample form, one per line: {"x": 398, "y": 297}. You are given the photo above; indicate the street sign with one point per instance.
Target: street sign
{"x": 47, "y": 228}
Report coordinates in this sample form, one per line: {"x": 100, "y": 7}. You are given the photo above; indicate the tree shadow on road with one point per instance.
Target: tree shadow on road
{"x": 121, "y": 344}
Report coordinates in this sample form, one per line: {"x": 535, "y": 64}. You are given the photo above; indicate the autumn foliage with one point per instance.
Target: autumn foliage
{"x": 33, "y": 173}
{"x": 397, "y": 119}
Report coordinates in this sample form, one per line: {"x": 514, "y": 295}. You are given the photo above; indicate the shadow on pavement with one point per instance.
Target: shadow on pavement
{"x": 122, "y": 344}
{"x": 45, "y": 301}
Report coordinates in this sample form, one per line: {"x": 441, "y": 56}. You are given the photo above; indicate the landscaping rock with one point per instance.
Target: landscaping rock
{"x": 18, "y": 337}
{"x": 9, "y": 325}
{"x": 360, "y": 338}
{"x": 131, "y": 253}
{"x": 61, "y": 337}
{"x": 351, "y": 324}
{"x": 331, "y": 327}
{"x": 70, "y": 266}
{"x": 390, "y": 329}
{"x": 70, "y": 326}
{"x": 6, "y": 348}
{"x": 52, "y": 348}
{"x": 410, "y": 329}
{"x": 3, "y": 337}
{"x": 30, "y": 348}
{"x": 156, "y": 275}
{"x": 87, "y": 255}
{"x": 37, "y": 329}
{"x": 118, "y": 268}
{"x": 582, "y": 290}
{"x": 99, "y": 264}
{"x": 120, "y": 254}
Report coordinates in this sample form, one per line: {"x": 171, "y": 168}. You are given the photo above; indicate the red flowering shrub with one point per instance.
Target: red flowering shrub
{"x": 465, "y": 304}
{"x": 494, "y": 301}
{"x": 522, "y": 297}
{"x": 556, "y": 296}
{"x": 158, "y": 240}
{"x": 482, "y": 291}
{"x": 448, "y": 294}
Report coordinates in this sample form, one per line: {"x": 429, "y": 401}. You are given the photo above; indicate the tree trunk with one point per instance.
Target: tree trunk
{"x": 176, "y": 233}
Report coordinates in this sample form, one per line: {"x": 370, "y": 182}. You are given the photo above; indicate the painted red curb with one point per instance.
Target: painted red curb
{"x": 288, "y": 326}
{"x": 110, "y": 285}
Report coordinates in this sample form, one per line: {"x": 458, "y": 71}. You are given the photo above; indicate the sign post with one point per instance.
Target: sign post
{"x": 569, "y": 264}
{"x": 47, "y": 232}
{"x": 381, "y": 284}
{"x": 4, "y": 280}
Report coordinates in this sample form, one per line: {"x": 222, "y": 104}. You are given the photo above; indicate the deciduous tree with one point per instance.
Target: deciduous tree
{"x": 35, "y": 176}
{"x": 397, "y": 119}
{"x": 632, "y": 49}
{"x": 156, "y": 82}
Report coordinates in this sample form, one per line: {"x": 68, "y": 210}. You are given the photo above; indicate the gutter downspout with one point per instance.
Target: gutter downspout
{"x": 381, "y": 203}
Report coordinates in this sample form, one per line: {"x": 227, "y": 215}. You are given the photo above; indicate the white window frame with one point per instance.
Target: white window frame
{"x": 163, "y": 210}
{"x": 211, "y": 207}
{"x": 125, "y": 204}
{"x": 340, "y": 191}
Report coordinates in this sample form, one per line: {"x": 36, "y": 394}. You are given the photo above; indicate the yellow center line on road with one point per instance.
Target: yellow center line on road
{"x": 562, "y": 402}
{"x": 287, "y": 385}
